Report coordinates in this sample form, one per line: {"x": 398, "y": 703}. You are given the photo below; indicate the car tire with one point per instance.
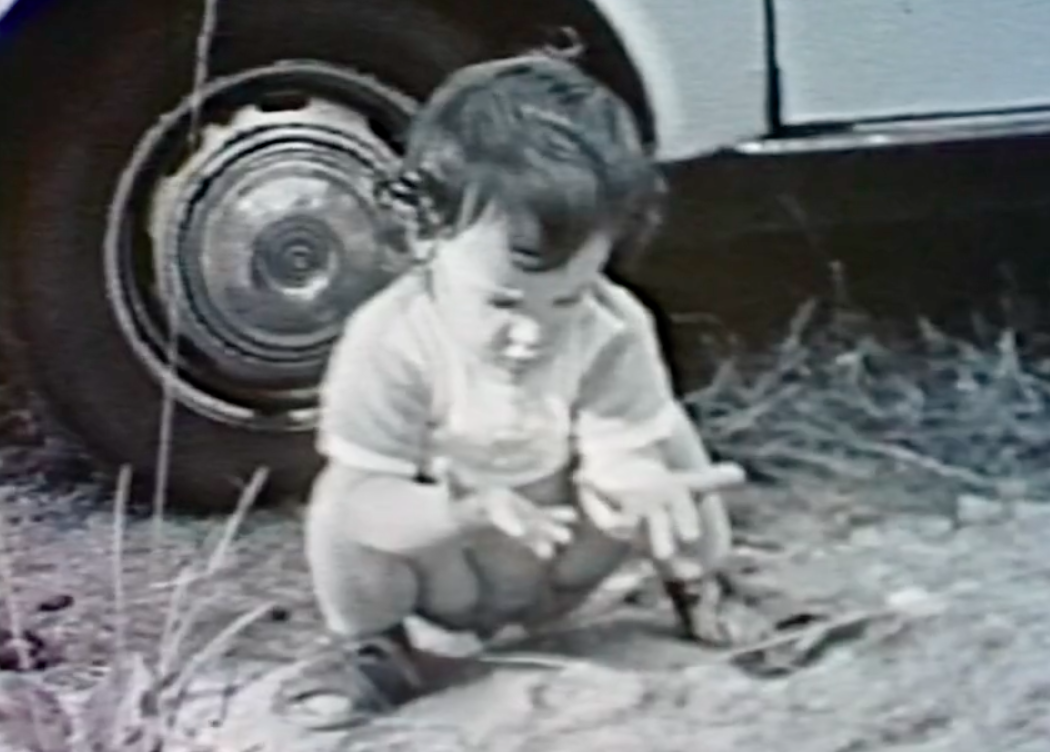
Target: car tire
{"x": 77, "y": 127}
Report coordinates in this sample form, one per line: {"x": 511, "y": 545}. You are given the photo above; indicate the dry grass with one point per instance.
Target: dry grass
{"x": 136, "y": 705}
{"x": 836, "y": 401}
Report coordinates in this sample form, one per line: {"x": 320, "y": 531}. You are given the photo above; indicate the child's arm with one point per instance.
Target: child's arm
{"x": 631, "y": 385}
{"x": 372, "y": 434}
{"x": 685, "y": 451}
{"x": 631, "y": 423}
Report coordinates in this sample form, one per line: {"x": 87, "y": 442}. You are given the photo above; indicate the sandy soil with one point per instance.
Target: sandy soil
{"x": 961, "y": 672}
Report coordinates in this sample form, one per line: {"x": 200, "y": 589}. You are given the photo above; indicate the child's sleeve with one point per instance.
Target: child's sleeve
{"x": 626, "y": 402}
{"x": 374, "y": 398}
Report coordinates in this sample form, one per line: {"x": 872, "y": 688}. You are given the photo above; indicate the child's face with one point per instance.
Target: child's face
{"x": 488, "y": 294}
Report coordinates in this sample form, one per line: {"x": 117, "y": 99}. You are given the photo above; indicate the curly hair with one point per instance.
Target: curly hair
{"x": 541, "y": 139}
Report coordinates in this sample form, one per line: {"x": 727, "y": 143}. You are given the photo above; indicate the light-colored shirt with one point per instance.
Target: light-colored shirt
{"x": 398, "y": 394}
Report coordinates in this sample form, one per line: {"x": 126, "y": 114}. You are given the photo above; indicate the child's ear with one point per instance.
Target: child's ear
{"x": 395, "y": 192}
{"x": 403, "y": 197}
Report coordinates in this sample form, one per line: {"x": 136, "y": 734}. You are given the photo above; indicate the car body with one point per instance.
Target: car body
{"x": 160, "y": 159}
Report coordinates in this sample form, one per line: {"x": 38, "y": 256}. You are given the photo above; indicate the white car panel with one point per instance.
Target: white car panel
{"x": 846, "y": 60}
{"x": 703, "y": 64}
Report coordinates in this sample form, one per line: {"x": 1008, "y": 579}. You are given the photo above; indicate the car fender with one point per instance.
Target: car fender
{"x": 704, "y": 67}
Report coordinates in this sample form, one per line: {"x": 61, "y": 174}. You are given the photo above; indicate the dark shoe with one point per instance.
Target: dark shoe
{"x": 779, "y": 635}
{"x": 697, "y": 606}
{"x": 364, "y": 678}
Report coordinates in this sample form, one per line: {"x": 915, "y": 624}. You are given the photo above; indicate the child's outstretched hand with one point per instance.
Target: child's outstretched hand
{"x": 661, "y": 501}
{"x": 542, "y": 529}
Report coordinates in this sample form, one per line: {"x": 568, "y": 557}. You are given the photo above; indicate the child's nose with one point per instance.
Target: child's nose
{"x": 524, "y": 337}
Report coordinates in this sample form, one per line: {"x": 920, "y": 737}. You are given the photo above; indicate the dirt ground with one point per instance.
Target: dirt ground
{"x": 958, "y": 669}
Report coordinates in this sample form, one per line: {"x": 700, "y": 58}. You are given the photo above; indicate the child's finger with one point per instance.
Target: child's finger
{"x": 543, "y": 536}
{"x": 542, "y": 525}
{"x": 556, "y": 531}
{"x": 554, "y": 539}
{"x": 543, "y": 548}
{"x": 685, "y": 515}
{"x": 542, "y": 533}
{"x": 604, "y": 517}
{"x": 662, "y": 544}
{"x": 562, "y": 514}
{"x": 556, "y": 523}
{"x": 504, "y": 514}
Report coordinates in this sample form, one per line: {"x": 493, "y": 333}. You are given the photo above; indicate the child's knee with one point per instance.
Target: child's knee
{"x": 449, "y": 588}
{"x": 360, "y": 591}
{"x": 336, "y": 515}
{"x": 354, "y": 570}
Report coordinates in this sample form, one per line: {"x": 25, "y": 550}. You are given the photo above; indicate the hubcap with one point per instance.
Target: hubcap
{"x": 254, "y": 247}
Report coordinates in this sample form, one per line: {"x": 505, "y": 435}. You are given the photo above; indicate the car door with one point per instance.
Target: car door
{"x": 865, "y": 60}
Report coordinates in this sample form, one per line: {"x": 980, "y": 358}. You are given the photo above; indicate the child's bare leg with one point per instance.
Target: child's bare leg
{"x": 368, "y": 571}
{"x": 579, "y": 570}
{"x": 360, "y": 591}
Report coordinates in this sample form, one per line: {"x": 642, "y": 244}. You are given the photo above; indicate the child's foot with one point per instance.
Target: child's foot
{"x": 732, "y": 609}
{"x": 352, "y": 681}
{"x": 698, "y": 606}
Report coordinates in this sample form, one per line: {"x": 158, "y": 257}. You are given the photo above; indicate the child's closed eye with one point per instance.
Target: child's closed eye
{"x": 505, "y": 300}
{"x": 527, "y": 258}
{"x": 568, "y": 301}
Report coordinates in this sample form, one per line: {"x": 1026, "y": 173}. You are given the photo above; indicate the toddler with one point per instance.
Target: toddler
{"x": 498, "y": 423}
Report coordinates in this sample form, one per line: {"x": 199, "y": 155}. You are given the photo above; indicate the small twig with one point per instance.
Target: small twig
{"x": 531, "y": 660}
{"x": 179, "y": 622}
{"x": 119, "y": 596}
{"x": 218, "y": 645}
{"x": 766, "y": 383}
{"x": 793, "y": 453}
{"x": 244, "y": 503}
{"x": 726, "y": 376}
{"x": 185, "y": 578}
{"x": 229, "y": 691}
{"x": 168, "y": 653}
{"x": 818, "y": 630}
{"x": 749, "y": 417}
{"x": 930, "y": 464}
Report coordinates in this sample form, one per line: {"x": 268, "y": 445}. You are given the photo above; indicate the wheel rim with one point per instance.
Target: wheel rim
{"x": 253, "y": 245}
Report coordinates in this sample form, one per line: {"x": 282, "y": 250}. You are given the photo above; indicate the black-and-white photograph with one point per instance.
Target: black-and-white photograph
{"x": 289, "y": 292}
